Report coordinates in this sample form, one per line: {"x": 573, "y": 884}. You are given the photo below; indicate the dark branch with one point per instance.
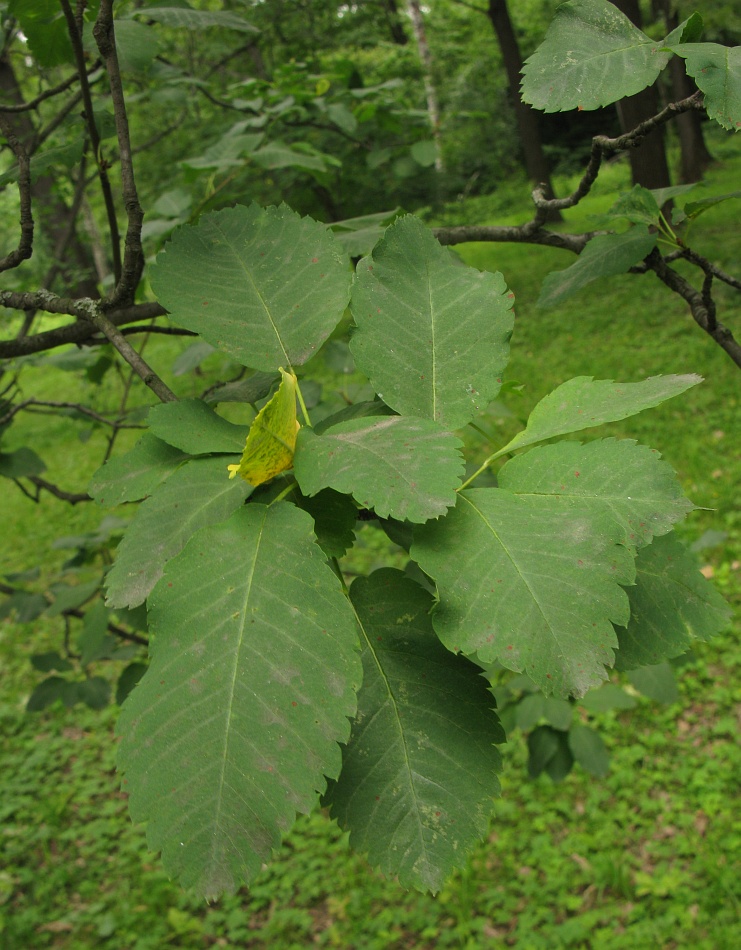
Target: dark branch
{"x": 25, "y": 241}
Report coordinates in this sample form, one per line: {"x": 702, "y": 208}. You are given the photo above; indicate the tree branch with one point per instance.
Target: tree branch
{"x": 25, "y": 241}
{"x": 128, "y": 278}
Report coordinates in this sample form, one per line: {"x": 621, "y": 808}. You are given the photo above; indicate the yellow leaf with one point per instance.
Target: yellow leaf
{"x": 271, "y": 442}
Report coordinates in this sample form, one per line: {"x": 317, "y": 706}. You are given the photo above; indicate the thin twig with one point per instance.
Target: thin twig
{"x": 127, "y": 279}
{"x": 105, "y": 184}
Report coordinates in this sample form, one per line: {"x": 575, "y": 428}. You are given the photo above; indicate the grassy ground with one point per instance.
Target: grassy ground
{"x": 647, "y": 857}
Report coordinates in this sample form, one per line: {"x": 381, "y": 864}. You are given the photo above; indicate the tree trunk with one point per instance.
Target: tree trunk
{"x": 648, "y": 162}
{"x": 433, "y": 106}
{"x": 536, "y": 163}
{"x": 695, "y": 156}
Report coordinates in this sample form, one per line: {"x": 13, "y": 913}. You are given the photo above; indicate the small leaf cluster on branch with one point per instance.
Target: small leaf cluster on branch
{"x": 255, "y": 672}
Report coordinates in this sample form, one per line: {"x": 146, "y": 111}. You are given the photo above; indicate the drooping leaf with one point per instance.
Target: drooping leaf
{"x": 253, "y": 673}
{"x": 658, "y": 682}
{"x": 193, "y": 427}
{"x": 334, "y": 517}
{"x": 191, "y": 358}
{"x": 94, "y": 641}
{"x": 671, "y": 605}
{"x": 717, "y": 71}
{"x": 592, "y": 55}
{"x": 406, "y": 468}
{"x": 45, "y": 28}
{"x": 263, "y": 285}
{"x": 589, "y": 750}
{"x": 190, "y": 19}
{"x": 198, "y": 494}
{"x": 628, "y": 481}
{"x": 277, "y": 154}
{"x": 94, "y": 691}
{"x": 271, "y": 442}
{"x": 604, "y": 256}
{"x": 432, "y": 337}
{"x": 136, "y": 474}
{"x": 419, "y": 771}
{"x": 46, "y": 662}
{"x": 531, "y": 584}
{"x": 584, "y": 402}
{"x": 137, "y": 46}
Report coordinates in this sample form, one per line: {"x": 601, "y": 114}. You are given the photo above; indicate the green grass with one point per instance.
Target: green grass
{"x": 647, "y": 857}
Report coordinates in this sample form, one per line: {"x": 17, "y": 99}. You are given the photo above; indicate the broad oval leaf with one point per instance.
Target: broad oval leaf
{"x": 717, "y": 71}
{"x": 584, "y": 402}
{"x": 619, "y": 477}
{"x": 604, "y": 256}
{"x": 670, "y": 605}
{"x": 592, "y": 55}
{"x": 432, "y": 336}
{"x": 198, "y": 494}
{"x": 253, "y": 672}
{"x": 419, "y": 771}
{"x": 193, "y": 427}
{"x": 530, "y": 583}
{"x": 263, "y": 285}
{"x": 190, "y": 19}
{"x": 136, "y": 474}
{"x": 406, "y": 468}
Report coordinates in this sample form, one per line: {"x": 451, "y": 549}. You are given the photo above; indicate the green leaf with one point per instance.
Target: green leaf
{"x": 128, "y": 679}
{"x": 671, "y": 605}
{"x": 542, "y": 745}
{"x": 406, "y": 468}
{"x": 49, "y": 691}
{"x": 592, "y": 55}
{"x": 358, "y": 236}
{"x": 264, "y": 285}
{"x": 280, "y": 155}
{"x": 618, "y": 477}
{"x": 432, "y": 336}
{"x": 136, "y": 474}
{"x": 604, "y": 256}
{"x": 45, "y": 28}
{"x": 717, "y": 71}
{"x": 419, "y": 772}
{"x": 23, "y": 463}
{"x": 46, "y": 662}
{"x": 424, "y": 153}
{"x": 694, "y": 209}
{"x": 197, "y": 20}
{"x": 255, "y": 387}
{"x": 639, "y": 206}
{"x": 198, "y": 494}
{"x": 606, "y": 697}
{"x": 252, "y": 679}
{"x": 70, "y": 597}
{"x": 95, "y": 692}
{"x": 94, "y": 642}
{"x": 657, "y": 682}
{"x": 584, "y": 402}
{"x": 65, "y": 155}
{"x": 137, "y": 46}
{"x": 358, "y": 410}
{"x": 334, "y": 517}
{"x": 193, "y": 427}
{"x": 23, "y": 606}
{"x": 509, "y": 570}
{"x": 558, "y": 713}
{"x": 589, "y": 750}
{"x": 191, "y": 358}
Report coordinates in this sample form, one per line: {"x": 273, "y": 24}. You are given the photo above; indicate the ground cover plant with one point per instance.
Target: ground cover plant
{"x": 239, "y": 546}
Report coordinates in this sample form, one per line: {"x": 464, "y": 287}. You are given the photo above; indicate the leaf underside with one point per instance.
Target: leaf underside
{"x": 252, "y": 679}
